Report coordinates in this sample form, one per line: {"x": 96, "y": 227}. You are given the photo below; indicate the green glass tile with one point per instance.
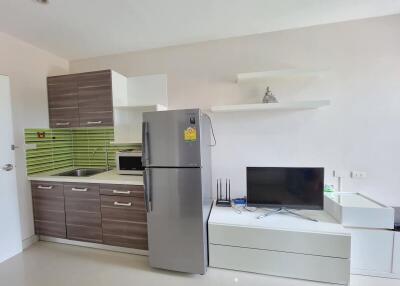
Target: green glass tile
{"x": 84, "y": 147}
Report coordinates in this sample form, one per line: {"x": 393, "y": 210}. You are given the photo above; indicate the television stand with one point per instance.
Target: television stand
{"x": 285, "y": 211}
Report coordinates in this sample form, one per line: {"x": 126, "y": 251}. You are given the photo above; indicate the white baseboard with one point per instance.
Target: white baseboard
{"x": 366, "y": 272}
{"x": 94, "y": 245}
{"x": 27, "y": 242}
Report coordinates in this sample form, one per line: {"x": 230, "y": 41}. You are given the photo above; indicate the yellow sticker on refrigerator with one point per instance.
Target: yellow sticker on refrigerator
{"x": 190, "y": 134}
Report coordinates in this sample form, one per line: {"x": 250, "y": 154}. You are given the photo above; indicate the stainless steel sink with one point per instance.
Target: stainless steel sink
{"x": 81, "y": 172}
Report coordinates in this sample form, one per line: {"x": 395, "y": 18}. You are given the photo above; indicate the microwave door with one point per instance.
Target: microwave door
{"x": 129, "y": 164}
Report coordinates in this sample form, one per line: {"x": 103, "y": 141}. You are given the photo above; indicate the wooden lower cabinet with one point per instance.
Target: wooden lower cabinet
{"x": 48, "y": 209}
{"x": 124, "y": 219}
{"x": 82, "y": 210}
{"x": 108, "y": 214}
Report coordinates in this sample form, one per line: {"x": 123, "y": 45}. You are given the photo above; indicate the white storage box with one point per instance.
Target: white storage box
{"x": 356, "y": 210}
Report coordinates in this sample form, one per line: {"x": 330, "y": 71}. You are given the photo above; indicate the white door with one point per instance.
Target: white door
{"x": 10, "y": 231}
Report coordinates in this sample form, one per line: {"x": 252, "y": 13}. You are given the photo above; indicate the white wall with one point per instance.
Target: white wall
{"x": 359, "y": 131}
{"x": 27, "y": 67}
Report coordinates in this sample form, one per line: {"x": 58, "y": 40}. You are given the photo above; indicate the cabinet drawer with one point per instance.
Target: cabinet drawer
{"x": 121, "y": 228}
{"x": 50, "y": 229}
{"x": 47, "y": 189}
{"x": 81, "y": 191}
{"x": 122, "y": 203}
{"x": 48, "y": 215}
{"x": 91, "y": 219}
{"x": 84, "y": 233}
{"x": 122, "y": 190}
{"x": 131, "y": 242}
{"x": 123, "y": 214}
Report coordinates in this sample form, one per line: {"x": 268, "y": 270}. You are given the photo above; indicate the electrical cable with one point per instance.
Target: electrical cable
{"x": 212, "y": 130}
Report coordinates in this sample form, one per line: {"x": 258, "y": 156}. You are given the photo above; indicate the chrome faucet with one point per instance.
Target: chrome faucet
{"x": 106, "y": 152}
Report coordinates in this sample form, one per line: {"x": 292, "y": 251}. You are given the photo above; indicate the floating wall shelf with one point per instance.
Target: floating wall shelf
{"x": 294, "y": 105}
{"x": 264, "y": 75}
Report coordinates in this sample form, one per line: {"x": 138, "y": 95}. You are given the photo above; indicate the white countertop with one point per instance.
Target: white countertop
{"x": 109, "y": 177}
{"x": 325, "y": 224}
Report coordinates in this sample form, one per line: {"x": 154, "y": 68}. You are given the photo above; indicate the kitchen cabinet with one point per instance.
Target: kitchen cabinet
{"x": 49, "y": 209}
{"x": 83, "y": 99}
{"x": 63, "y": 101}
{"x": 124, "y": 217}
{"x": 82, "y": 210}
{"x": 111, "y": 214}
{"x": 95, "y": 99}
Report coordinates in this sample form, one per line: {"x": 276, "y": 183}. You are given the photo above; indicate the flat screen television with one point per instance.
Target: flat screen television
{"x": 279, "y": 187}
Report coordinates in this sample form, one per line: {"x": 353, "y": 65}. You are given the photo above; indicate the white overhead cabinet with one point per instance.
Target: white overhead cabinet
{"x": 141, "y": 94}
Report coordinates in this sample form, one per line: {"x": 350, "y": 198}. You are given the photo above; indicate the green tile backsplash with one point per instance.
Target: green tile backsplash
{"x": 77, "y": 147}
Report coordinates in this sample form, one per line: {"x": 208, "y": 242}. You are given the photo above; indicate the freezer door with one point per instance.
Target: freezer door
{"x": 176, "y": 228}
{"x": 171, "y": 138}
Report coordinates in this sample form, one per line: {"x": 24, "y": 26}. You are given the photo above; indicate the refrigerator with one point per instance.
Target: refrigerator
{"x": 177, "y": 178}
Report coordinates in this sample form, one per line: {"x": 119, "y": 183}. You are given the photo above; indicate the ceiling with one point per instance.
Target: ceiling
{"x": 75, "y": 29}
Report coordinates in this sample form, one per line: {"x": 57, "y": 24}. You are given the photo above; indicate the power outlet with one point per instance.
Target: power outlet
{"x": 358, "y": 175}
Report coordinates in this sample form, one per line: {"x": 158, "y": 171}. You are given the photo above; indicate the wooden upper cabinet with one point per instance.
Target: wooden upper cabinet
{"x": 95, "y": 99}
{"x": 83, "y": 99}
{"x": 62, "y": 94}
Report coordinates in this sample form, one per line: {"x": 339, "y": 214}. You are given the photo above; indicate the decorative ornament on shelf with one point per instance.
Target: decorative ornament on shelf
{"x": 269, "y": 97}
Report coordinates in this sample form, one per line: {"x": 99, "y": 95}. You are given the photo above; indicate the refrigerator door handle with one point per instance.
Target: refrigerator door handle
{"x": 147, "y": 190}
{"x": 145, "y": 140}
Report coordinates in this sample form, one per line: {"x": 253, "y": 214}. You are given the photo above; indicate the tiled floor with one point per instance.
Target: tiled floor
{"x": 50, "y": 264}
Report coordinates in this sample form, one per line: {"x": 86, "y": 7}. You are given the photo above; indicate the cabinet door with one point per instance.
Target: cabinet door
{"x": 95, "y": 99}
{"x": 124, "y": 220}
{"x": 82, "y": 208}
{"x": 62, "y": 94}
{"x": 48, "y": 209}
{"x": 371, "y": 249}
{"x": 396, "y": 253}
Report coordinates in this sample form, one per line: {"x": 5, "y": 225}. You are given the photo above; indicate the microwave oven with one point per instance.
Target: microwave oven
{"x": 129, "y": 162}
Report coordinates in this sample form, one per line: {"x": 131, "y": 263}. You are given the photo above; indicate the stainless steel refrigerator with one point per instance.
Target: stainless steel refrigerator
{"x": 177, "y": 176}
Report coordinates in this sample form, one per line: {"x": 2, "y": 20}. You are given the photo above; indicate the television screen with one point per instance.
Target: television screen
{"x": 297, "y": 188}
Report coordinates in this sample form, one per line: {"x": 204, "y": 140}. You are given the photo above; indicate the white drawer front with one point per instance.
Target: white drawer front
{"x": 293, "y": 265}
{"x": 372, "y": 249}
{"x": 324, "y": 244}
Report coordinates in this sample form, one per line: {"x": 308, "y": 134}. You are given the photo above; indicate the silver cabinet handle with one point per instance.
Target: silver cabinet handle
{"x": 79, "y": 190}
{"x": 121, "y": 192}
{"x": 122, "y": 204}
{"x": 7, "y": 167}
{"x": 63, "y": 123}
{"x": 94, "y": 122}
{"x": 45, "y": 188}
